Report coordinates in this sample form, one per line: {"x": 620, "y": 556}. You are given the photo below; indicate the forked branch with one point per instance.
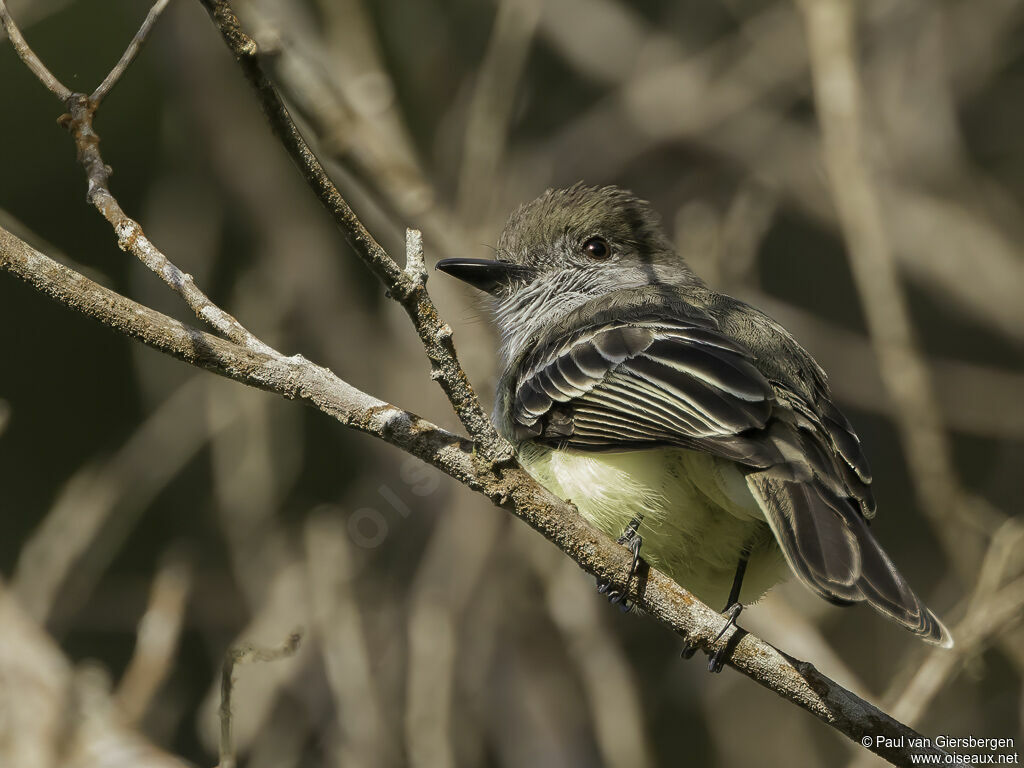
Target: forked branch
{"x": 483, "y": 462}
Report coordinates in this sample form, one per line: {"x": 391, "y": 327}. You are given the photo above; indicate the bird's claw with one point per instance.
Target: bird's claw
{"x": 634, "y": 541}
{"x": 716, "y": 660}
{"x": 731, "y": 612}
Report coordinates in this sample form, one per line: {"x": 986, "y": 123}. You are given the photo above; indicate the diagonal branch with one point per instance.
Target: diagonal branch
{"x": 506, "y": 485}
{"x": 27, "y": 55}
{"x": 129, "y": 53}
{"x": 130, "y": 237}
{"x": 483, "y": 464}
{"x": 409, "y": 291}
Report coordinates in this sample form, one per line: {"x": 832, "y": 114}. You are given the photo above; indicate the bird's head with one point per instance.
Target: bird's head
{"x": 564, "y": 249}
{"x": 581, "y": 240}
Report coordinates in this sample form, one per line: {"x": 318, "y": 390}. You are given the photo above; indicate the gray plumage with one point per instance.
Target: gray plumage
{"x": 613, "y": 347}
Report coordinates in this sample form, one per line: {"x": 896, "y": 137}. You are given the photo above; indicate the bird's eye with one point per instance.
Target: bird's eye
{"x": 597, "y": 248}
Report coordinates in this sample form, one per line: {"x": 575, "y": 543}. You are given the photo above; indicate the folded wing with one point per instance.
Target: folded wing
{"x": 629, "y": 385}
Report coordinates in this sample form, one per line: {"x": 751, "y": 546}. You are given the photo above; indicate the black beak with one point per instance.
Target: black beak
{"x": 484, "y": 274}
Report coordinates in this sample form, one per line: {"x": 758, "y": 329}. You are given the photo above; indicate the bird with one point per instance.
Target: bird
{"x": 685, "y": 423}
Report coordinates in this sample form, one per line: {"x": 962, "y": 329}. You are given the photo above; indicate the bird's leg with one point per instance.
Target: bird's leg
{"x": 629, "y": 538}
{"x": 732, "y": 611}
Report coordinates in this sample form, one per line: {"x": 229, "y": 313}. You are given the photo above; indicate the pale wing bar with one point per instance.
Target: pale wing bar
{"x": 671, "y": 382}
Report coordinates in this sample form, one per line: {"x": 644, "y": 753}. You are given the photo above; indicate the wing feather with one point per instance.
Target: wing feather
{"x": 681, "y": 381}
{"x": 829, "y": 546}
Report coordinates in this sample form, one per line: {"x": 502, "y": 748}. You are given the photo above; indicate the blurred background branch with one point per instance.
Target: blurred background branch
{"x": 458, "y": 641}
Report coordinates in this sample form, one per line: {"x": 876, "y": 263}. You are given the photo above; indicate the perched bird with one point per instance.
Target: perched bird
{"x": 683, "y": 419}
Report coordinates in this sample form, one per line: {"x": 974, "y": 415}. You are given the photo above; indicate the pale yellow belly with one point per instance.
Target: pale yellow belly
{"x": 697, "y": 514}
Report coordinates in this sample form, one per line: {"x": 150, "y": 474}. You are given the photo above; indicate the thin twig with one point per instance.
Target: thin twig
{"x": 435, "y": 334}
{"x": 290, "y": 377}
{"x": 508, "y": 486}
{"x": 245, "y": 653}
{"x": 27, "y": 55}
{"x": 129, "y": 54}
{"x": 130, "y": 236}
{"x": 853, "y": 370}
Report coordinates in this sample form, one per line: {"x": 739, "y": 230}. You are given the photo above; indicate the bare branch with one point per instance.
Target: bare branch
{"x": 129, "y": 54}
{"x": 27, "y": 55}
{"x": 433, "y": 332}
{"x": 245, "y": 653}
{"x": 848, "y": 356}
{"x": 505, "y": 484}
{"x": 475, "y": 464}
{"x": 130, "y": 236}
{"x": 291, "y": 377}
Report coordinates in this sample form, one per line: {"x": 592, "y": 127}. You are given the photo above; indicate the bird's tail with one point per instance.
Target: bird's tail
{"x": 829, "y": 546}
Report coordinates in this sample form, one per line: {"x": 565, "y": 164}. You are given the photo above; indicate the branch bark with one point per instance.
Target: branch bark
{"x": 408, "y": 290}
{"x": 483, "y": 463}
{"x": 504, "y": 483}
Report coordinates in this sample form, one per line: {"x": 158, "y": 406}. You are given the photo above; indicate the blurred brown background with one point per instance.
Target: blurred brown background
{"x": 439, "y": 630}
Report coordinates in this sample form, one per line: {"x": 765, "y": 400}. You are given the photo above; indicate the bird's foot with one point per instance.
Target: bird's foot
{"x": 634, "y": 541}
{"x": 717, "y": 659}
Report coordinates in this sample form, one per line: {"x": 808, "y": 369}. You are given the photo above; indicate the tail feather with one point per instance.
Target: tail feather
{"x": 830, "y": 548}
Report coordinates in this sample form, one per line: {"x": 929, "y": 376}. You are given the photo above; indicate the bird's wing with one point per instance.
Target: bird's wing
{"x": 827, "y": 543}
{"x": 621, "y": 385}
